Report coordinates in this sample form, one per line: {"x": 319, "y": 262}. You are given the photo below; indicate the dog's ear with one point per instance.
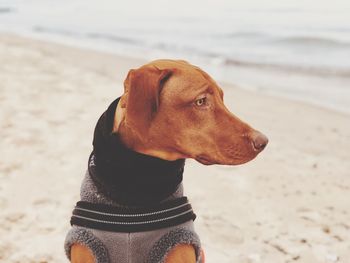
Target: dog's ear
{"x": 142, "y": 88}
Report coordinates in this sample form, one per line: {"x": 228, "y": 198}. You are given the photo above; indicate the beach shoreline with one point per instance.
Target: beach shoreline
{"x": 288, "y": 204}
{"x": 321, "y": 88}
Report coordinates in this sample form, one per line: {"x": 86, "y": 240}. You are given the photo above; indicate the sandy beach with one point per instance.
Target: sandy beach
{"x": 290, "y": 204}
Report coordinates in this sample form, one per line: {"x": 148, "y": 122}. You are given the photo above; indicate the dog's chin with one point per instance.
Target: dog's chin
{"x": 204, "y": 160}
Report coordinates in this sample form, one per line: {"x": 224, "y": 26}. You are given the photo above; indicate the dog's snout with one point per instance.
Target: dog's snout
{"x": 259, "y": 140}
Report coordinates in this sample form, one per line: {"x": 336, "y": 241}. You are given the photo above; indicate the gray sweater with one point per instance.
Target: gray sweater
{"x": 137, "y": 247}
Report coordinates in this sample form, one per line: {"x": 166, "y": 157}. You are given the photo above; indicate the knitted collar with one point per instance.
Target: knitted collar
{"x": 128, "y": 177}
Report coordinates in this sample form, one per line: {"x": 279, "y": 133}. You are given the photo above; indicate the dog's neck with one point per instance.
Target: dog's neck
{"x": 126, "y": 176}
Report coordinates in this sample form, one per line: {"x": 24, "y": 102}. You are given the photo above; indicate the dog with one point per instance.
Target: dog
{"x": 132, "y": 207}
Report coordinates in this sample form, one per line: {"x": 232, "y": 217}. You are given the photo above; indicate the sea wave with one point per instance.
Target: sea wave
{"x": 57, "y": 31}
{"x": 247, "y": 35}
{"x": 4, "y": 10}
{"x": 307, "y": 41}
{"x": 289, "y": 68}
{"x": 114, "y": 38}
{"x": 172, "y": 47}
{"x": 89, "y": 35}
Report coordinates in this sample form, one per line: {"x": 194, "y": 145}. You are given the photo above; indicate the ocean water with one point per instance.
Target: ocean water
{"x": 296, "y": 49}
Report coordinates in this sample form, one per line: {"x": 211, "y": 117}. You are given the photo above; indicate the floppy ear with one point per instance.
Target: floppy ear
{"x": 143, "y": 87}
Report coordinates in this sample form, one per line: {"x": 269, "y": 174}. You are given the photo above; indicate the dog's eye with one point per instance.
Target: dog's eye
{"x": 201, "y": 101}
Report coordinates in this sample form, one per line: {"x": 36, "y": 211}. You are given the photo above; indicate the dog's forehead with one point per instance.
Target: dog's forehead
{"x": 186, "y": 80}
{"x": 184, "y": 73}
{"x": 179, "y": 66}
{"x": 169, "y": 63}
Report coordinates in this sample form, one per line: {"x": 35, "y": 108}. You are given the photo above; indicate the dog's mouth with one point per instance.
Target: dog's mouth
{"x": 204, "y": 160}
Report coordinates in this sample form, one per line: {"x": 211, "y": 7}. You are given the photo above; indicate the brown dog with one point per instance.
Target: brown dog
{"x": 174, "y": 110}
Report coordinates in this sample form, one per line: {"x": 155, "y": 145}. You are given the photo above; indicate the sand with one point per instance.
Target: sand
{"x": 291, "y": 204}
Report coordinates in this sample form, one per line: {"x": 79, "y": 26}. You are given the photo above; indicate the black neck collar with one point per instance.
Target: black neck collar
{"x": 126, "y": 176}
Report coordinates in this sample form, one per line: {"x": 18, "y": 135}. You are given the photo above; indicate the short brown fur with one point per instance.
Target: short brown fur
{"x": 169, "y": 89}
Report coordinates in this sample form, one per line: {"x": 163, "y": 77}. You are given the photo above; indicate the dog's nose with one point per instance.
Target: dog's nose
{"x": 259, "y": 141}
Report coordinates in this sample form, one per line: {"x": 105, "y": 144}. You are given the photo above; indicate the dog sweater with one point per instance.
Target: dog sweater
{"x": 129, "y": 247}
{"x": 123, "y": 179}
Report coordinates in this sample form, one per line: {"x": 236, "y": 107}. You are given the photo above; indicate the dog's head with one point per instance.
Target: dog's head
{"x": 172, "y": 110}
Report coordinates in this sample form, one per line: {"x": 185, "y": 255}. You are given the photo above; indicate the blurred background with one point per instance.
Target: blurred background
{"x": 302, "y": 48}
{"x": 284, "y": 66}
